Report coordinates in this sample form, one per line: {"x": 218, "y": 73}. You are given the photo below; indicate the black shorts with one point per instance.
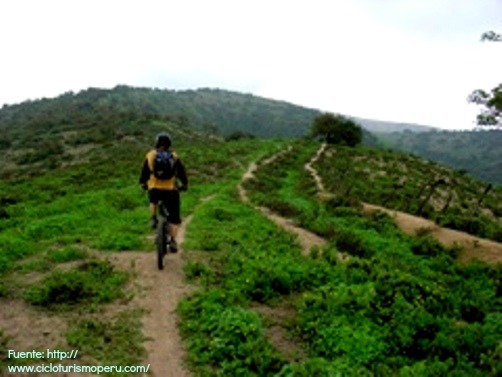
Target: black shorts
{"x": 171, "y": 198}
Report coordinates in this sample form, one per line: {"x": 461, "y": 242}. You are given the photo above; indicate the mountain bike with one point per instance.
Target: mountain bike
{"x": 163, "y": 239}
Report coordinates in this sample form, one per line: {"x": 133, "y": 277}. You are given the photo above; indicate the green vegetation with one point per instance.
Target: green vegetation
{"x": 372, "y": 301}
{"x": 58, "y": 223}
{"x": 116, "y": 341}
{"x": 92, "y": 282}
{"x": 208, "y": 110}
{"x": 252, "y": 260}
{"x": 337, "y": 129}
{"x": 404, "y": 182}
{"x": 477, "y": 153}
{"x": 491, "y": 115}
{"x": 398, "y": 306}
{"x": 492, "y": 106}
{"x": 52, "y": 132}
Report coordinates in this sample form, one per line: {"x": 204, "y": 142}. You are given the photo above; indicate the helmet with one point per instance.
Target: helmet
{"x": 163, "y": 139}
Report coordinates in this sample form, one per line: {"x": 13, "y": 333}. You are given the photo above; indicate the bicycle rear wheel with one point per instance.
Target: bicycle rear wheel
{"x": 161, "y": 243}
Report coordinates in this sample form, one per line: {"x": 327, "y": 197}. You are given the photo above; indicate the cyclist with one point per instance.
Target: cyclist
{"x": 164, "y": 189}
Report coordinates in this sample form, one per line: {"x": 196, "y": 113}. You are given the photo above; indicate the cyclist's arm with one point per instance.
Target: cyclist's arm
{"x": 181, "y": 174}
{"x": 145, "y": 173}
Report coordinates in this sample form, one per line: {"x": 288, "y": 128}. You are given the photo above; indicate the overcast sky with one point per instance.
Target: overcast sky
{"x": 398, "y": 60}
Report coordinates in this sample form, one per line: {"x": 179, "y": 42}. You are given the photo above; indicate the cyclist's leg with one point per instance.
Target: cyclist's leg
{"x": 153, "y": 209}
{"x": 154, "y": 197}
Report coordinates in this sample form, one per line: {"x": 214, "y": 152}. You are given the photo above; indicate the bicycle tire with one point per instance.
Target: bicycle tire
{"x": 161, "y": 242}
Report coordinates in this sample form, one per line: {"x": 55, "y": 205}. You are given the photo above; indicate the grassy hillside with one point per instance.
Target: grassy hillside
{"x": 59, "y": 225}
{"x": 476, "y": 152}
{"x": 35, "y": 123}
{"x": 215, "y": 110}
{"x": 395, "y": 305}
{"x": 204, "y": 109}
{"x": 410, "y": 184}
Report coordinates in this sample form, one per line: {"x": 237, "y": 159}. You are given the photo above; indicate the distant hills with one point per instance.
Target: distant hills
{"x": 102, "y": 114}
{"x": 385, "y": 127}
{"x": 217, "y": 110}
{"x": 478, "y": 153}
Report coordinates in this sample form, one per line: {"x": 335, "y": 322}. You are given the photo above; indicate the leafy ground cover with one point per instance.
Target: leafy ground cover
{"x": 58, "y": 227}
{"x": 242, "y": 258}
{"x": 476, "y": 152}
{"x": 400, "y": 306}
{"x": 413, "y": 185}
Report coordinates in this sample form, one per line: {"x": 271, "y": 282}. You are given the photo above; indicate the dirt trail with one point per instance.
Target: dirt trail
{"x": 275, "y": 332}
{"x": 309, "y": 166}
{"x": 473, "y": 247}
{"x": 161, "y": 292}
{"x": 306, "y": 239}
{"x": 156, "y": 292}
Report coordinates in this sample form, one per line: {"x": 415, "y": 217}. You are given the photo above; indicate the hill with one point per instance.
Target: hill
{"x": 404, "y": 182}
{"x": 215, "y": 110}
{"x": 205, "y": 109}
{"x": 34, "y": 131}
{"x": 378, "y": 126}
{"x": 45, "y": 133}
{"x": 476, "y": 152}
{"x": 77, "y": 268}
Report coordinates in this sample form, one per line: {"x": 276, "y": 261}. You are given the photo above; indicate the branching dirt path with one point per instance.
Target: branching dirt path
{"x": 309, "y": 166}
{"x": 306, "y": 239}
{"x": 473, "y": 247}
{"x": 276, "y": 332}
{"x": 160, "y": 294}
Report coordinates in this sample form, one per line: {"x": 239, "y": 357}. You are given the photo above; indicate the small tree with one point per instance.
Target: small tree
{"x": 491, "y": 36}
{"x": 492, "y": 106}
{"x": 337, "y": 129}
{"x": 491, "y": 102}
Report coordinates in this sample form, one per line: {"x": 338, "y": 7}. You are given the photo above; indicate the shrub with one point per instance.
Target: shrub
{"x": 111, "y": 341}
{"x": 117, "y": 240}
{"x": 229, "y": 338}
{"x": 330, "y": 255}
{"x": 342, "y": 201}
{"x": 329, "y": 321}
{"x": 123, "y": 201}
{"x": 93, "y": 281}
{"x": 268, "y": 277}
{"x": 66, "y": 254}
{"x": 44, "y": 151}
{"x": 317, "y": 366}
{"x": 280, "y": 206}
{"x": 195, "y": 270}
{"x": 426, "y": 246}
{"x": 473, "y": 344}
{"x": 381, "y": 221}
{"x": 5, "y": 144}
{"x": 13, "y": 247}
{"x": 237, "y": 135}
{"x": 349, "y": 241}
